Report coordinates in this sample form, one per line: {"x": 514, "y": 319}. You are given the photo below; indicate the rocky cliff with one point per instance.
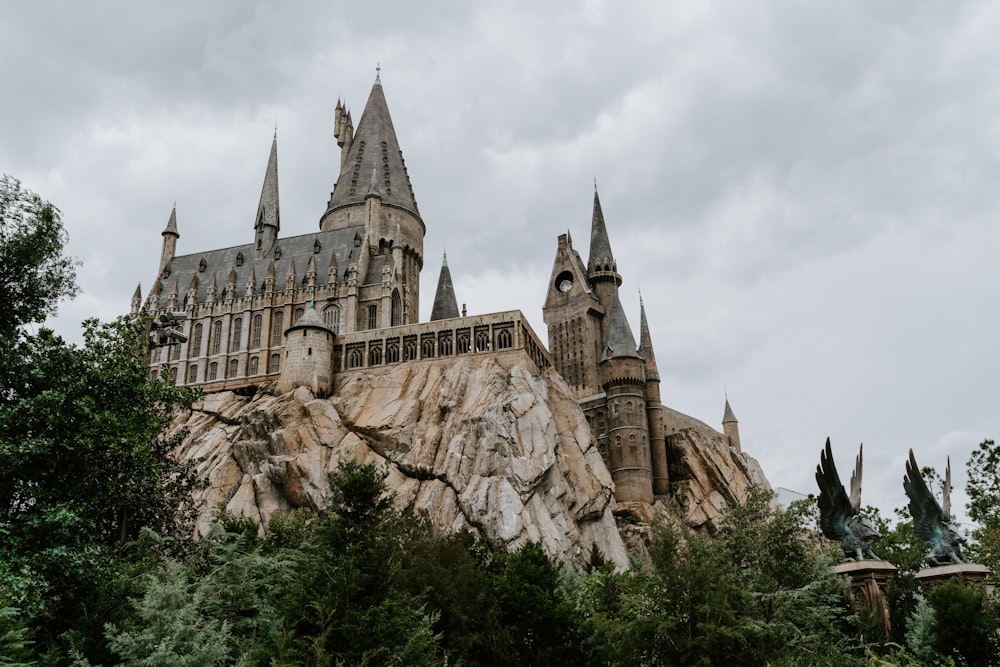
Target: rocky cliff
{"x": 479, "y": 442}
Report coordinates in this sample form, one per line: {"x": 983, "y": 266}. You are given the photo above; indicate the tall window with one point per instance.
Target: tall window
{"x": 196, "y": 340}
{"x": 299, "y": 312}
{"x": 331, "y": 316}
{"x": 234, "y": 367}
{"x": 373, "y": 316}
{"x": 192, "y": 374}
{"x": 236, "y": 335}
{"x": 213, "y": 370}
{"x": 275, "y": 363}
{"x": 255, "y": 331}
{"x": 254, "y": 365}
{"x": 397, "y": 308}
{"x": 276, "y": 329}
{"x": 215, "y": 340}
{"x": 157, "y": 351}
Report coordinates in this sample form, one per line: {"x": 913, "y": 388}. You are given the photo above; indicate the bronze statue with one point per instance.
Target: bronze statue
{"x": 932, "y": 522}
{"x": 839, "y": 514}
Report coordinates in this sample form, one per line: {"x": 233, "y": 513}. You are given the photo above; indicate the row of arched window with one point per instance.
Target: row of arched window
{"x": 231, "y": 369}
{"x": 429, "y": 348}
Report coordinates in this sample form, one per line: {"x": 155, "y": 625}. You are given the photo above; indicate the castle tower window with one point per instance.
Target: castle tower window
{"x": 213, "y": 370}
{"x": 256, "y": 329}
{"x": 299, "y": 312}
{"x": 196, "y": 340}
{"x": 331, "y": 316}
{"x": 631, "y": 440}
{"x": 503, "y": 339}
{"x": 397, "y": 308}
{"x": 235, "y": 337}
{"x": 276, "y": 329}
{"x": 373, "y": 316}
{"x": 618, "y": 444}
{"x": 275, "y": 365}
{"x": 215, "y": 340}
{"x": 628, "y": 411}
{"x": 192, "y": 376}
{"x": 254, "y": 366}
{"x": 234, "y": 366}
{"x": 614, "y": 408}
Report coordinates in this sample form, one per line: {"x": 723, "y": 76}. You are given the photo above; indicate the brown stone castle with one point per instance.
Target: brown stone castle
{"x": 313, "y": 309}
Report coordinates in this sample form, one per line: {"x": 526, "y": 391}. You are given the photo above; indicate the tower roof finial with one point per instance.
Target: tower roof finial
{"x": 378, "y": 73}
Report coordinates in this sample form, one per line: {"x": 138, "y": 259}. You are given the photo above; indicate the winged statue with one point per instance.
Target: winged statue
{"x": 839, "y": 514}
{"x": 932, "y": 522}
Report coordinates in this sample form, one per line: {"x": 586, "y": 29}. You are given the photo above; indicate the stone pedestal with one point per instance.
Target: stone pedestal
{"x": 869, "y": 581}
{"x": 967, "y": 573}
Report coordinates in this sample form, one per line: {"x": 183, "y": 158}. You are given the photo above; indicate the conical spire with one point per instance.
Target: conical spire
{"x": 621, "y": 342}
{"x": 445, "y": 304}
{"x": 601, "y": 258}
{"x": 728, "y": 415}
{"x": 646, "y": 344}
{"x": 267, "y": 210}
{"x": 373, "y": 190}
{"x": 171, "y": 227}
{"x": 375, "y": 138}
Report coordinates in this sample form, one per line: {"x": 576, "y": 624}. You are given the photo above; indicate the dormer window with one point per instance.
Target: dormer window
{"x": 277, "y": 253}
{"x": 239, "y": 259}
{"x": 316, "y": 247}
{"x": 357, "y": 240}
{"x": 202, "y": 265}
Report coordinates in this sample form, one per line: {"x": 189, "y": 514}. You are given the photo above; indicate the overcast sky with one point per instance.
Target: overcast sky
{"x": 806, "y": 193}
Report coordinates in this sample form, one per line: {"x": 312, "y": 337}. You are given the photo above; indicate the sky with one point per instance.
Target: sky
{"x": 806, "y": 193}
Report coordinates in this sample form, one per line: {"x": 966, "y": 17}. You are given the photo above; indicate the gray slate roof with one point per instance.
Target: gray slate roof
{"x": 728, "y": 416}
{"x": 646, "y": 344}
{"x": 445, "y": 304}
{"x": 621, "y": 342}
{"x": 267, "y": 210}
{"x": 171, "y": 227}
{"x": 600, "y": 244}
{"x": 375, "y": 141}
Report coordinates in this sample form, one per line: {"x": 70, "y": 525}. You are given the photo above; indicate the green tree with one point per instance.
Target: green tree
{"x": 35, "y": 273}
{"x": 983, "y": 488}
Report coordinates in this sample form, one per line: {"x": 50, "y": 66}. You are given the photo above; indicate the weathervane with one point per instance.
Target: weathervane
{"x": 378, "y": 73}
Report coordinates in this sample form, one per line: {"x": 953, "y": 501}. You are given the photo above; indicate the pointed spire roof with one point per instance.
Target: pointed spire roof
{"x": 375, "y": 139}
{"x": 171, "y": 227}
{"x": 373, "y": 190}
{"x": 600, "y": 244}
{"x": 137, "y": 294}
{"x": 646, "y": 344}
{"x": 268, "y": 212}
{"x": 621, "y": 342}
{"x": 445, "y": 304}
{"x": 728, "y": 415}
{"x": 310, "y": 319}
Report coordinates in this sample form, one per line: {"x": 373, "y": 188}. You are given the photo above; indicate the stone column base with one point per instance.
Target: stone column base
{"x": 967, "y": 573}
{"x": 869, "y": 581}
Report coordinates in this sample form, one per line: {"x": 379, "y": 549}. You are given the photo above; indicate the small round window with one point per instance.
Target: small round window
{"x": 564, "y": 281}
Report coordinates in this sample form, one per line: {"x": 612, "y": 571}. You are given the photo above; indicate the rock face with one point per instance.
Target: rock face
{"x": 481, "y": 442}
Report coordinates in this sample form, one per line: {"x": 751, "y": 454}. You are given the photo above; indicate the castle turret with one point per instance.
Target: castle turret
{"x": 373, "y": 205}
{"x": 343, "y": 131}
{"x": 268, "y": 221}
{"x": 731, "y": 428}
{"x": 308, "y": 356}
{"x": 654, "y": 408}
{"x": 445, "y": 303}
{"x": 602, "y": 270}
{"x": 170, "y": 236}
{"x": 622, "y": 373}
{"x": 137, "y": 299}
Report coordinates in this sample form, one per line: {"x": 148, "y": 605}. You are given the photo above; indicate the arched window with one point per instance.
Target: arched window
{"x": 355, "y": 359}
{"x": 234, "y": 367}
{"x": 445, "y": 346}
{"x": 397, "y": 308}
{"x": 216, "y": 337}
{"x": 153, "y": 375}
{"x": 331, "y": 316}
{"x": 392, "y": 353}
{"x": 503, "y": 339}
{"x": 213, "y": 370}
{"x": 196, "y": 340}
{"x": 375, "y": 356}
{"x": 410, "y": 350}
{"x": 299, "y": 312}
{"x": 373, "y": 316}
{"x": 628, "y": 411}
{"x": 236, "y": 335}
{"x": 614, "y": 408}
{"x": 254, "y": 366}
{"x": 276, "y": 331}
{"x": 463, "y": 343}
{"x": 427, "y": 349}
{"x": 192, "y": 374}
{"x": 275, "y": 364}
{"x": 175, "y": 351}
{"x": 618, "y": 443}
{"x": 631, "y": 440}
{"x": 256, "y": 331}
{"x": 482, "y": 341}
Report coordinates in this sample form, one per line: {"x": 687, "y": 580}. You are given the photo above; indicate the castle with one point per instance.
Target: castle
{"x": 310, "y": 310}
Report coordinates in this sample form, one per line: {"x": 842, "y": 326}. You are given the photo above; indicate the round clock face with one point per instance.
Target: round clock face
{"x": 565, "y": 285}
{"x": 564, "y": 281}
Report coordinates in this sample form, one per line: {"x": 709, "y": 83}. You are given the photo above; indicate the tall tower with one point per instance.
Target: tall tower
{"x": 170, "y": 236}
{"x": 308, "y": 356}
{"x": 654, "y": 408}
{"x": 623, "y": 378}
{"x": 268, "y": 222}
{"x": 602, "y": 269}
{"x": 731, "y": 427}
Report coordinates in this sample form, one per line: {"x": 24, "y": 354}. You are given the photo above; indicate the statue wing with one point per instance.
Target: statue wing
{"x": 856, "y": 484}
{"x": 946, "y": 501}
{"x": 924, "y": 509}
{"x": 834, "y": 505}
